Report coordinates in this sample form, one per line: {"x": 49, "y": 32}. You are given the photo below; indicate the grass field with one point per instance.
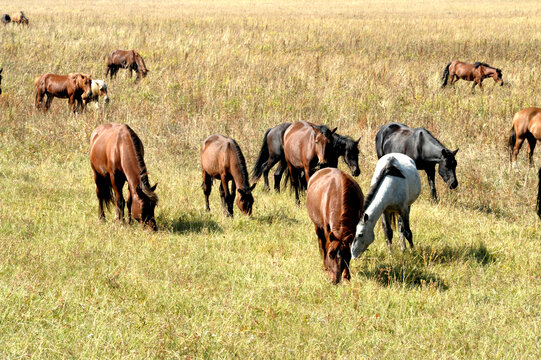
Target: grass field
{"x": 205, "y": 286}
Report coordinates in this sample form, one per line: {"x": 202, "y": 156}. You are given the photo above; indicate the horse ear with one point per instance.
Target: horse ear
{"x": 365, "y": 217}
{"x": 454, "y": 152}
{"x": 357, "y": 142}
{"x": 332, "y": 132}
{"x": 1, "y": 70}
{"x": 153, "y": 188}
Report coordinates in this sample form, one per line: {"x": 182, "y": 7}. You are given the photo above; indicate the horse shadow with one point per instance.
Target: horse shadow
{"x": 191, "y": 224}
{"x": 448, "y": 254}
{"x": 276, "y": 217}
{"x": 410, "y": 276}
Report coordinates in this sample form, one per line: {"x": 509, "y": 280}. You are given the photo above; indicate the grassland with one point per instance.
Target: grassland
{"x": 209, "y": 287}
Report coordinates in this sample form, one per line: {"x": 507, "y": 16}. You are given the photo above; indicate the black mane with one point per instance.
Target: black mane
{"x": 242, "y": 165}
{"x": 143, "y": 174}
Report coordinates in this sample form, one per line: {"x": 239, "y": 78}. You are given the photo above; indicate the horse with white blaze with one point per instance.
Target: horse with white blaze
{"x": 395, "y": 186}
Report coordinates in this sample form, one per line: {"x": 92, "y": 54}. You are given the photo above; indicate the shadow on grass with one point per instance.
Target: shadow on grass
{"x": 183, "y": 225}
{"x": 411, "y": 277}
{"x": 478, "y": 253}
{"x": 277, "y": 217}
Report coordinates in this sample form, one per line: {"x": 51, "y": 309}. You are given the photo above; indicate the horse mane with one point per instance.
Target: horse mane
{"x": 242, "y": 165}
{"x": 143, "y": 174}
{"x": 139, "y": 61}
{"x": 478, "y": 63}
{"x": 389, "y": 169}
{"x": 341, "y": 142}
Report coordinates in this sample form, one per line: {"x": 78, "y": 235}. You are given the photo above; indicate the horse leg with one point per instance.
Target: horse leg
{"x": 72, "y": 103}
{"x": 103, "y": 187}
{"x": 531, "y": 147}
{"x": 473, "y": 87}
{"x": 278, "y": 175}
{"x": 224, "y": 194}
{"x": 271, "y": 161}
{"x": 207, "y": 187}
{"x": 387, "y": 228}
{"x": 232, "y": 195}
{"x": 516, "y": 148}
{"x": 430, "y": 174}
{"x": 39, "y": 99}
{"x": 48, "y": 102}
{"x": 118, "y": 183}
{"x": 404, "y": 228}
{"x": 322, "y": 243}
{"x": 129, "y": 201}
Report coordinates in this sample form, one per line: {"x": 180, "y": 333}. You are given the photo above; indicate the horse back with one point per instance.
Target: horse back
{"x": 217, "y": 155}
{"x": 528, "y": 120}
{"x": 393, "y": 138}
{"x": 111, "y": 149}
{"x": 298, "y": 143}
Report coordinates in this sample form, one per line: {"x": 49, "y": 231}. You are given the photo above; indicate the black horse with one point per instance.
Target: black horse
{"x": 420, "y": 145}
{"x": 272, "y": 152}
{"x": 539, "y": 193}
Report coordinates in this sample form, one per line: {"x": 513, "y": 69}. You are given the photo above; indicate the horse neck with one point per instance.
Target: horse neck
{"x": 377, "y": 206}
{"x": 135, "y": 170}
{"x": 433, "y": 148}
{"x": 239, "y": 171}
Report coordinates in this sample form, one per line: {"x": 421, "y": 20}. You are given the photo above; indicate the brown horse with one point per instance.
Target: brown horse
{"x": 72, "y": 87}
{"x": 526, "y": 126}
{"x": 19, "y": 18}
{"x": 471, "y": 72}
{"x": 126, "y": 59}
{"x": 116, "y": 156}
{"x": 306, "y": 145}
{"x": 334, "y": 202}
{"x": 222, "y": 159}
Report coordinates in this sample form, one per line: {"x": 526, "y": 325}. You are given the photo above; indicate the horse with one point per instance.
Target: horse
{"x": 334, "y": 202}
{"x": 471, "y": 72}
{"x": 538, "y": 206}
{"x": 305, "y": 146}
{"x": 395, "y": 186}
{"x": 99, "y": 88}
{"x": 71, "y": 86}
{"x": 116, "y": 156}
{"x": 526, "y": 126}
{"x": 272, "y": 152}
{"x": 19, "y": 18}
{"x": 126, "y": 59}
{"x": 1, "y": 69}
{"x": 6, "y": 19}
{"x": 222, "y": 159}
{"x": 420, "y": 145}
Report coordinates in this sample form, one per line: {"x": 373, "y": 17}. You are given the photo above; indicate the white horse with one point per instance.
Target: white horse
{"x": 395, "y": 186}
{"x": 99, "y": 88}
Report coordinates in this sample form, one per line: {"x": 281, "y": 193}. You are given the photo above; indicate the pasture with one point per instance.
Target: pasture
{"x": 207, "y": 286}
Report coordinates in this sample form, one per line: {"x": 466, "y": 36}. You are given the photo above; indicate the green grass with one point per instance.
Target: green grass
{"x": 206, "y": 286}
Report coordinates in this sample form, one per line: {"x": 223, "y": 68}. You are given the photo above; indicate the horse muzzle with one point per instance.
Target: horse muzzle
{"x": 357, "y": 172}
{"x": 89, "y": 94}
{"x": 453, "y": 185}
{"x": 107, "y": 99}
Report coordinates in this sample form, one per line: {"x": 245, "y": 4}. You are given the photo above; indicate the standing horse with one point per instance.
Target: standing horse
{"x": 471, "y": 72}
{"x": 222, "y": 159}
{"x": 334, "y": 202}
{"x": 526, "y": 126}
{"x": 423, "y": 148}
{"x": 306, "y": 145}
{"x": 99, "y": 88}
{"x": 395, "y": 186}
{"x": 19, "y": 18}
{"x": 72, "y": 87}
{"x": 116, "y": 156}
{"x": 126, "y": 59}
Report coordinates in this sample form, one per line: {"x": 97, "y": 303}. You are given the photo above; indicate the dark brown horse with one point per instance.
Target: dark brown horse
{"x": 334, "y": 202}
{"x": 526, "y": 126}
{"x": 471, "y": 72}
{"x": 19, "y": 18}
{"x": 72, "y": 87}
{"x": 126, "y": 59}
{"x": 222, "y": 159}
{"x": 116, "y": 156}
{"x": 305, "y": 146}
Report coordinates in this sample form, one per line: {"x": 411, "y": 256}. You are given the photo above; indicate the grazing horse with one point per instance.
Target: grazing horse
{"x": 99, "y": 88}
{"x": 6, "y": 19}
{"x": 126, "y": 59}
{"x": 423, "y": 148}
{"x": 395, "y": 186}
{"x": 526, "y": 126}
{"x": 1, "y": 69}
{"x": 538, "y": 207}
{"x": 471, "y": 72}
{"x": 272, "y": 152}
{"x": 306, "y": 145}
{"x": 116, "y": 156}
{"x": 72, "y": 87}
{"x": 334, "y": 202}
{"x": 19, "y": 18}
{"x": 222, "y": 159}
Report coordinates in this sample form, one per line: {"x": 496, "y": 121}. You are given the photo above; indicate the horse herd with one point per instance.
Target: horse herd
{"x": 344, "y": 219}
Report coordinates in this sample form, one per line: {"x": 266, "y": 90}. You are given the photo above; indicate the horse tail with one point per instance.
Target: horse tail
{"x": 512, "y": 140}
{"x": 538, "y": 207}
{"x": 262, "y": 159}
{"x": 105, "y": 191}
{"x": 445, "y": 75}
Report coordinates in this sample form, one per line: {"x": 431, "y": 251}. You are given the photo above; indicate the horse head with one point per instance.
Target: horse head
{"x": 351, "y": 156}
{"x": 447, "y": 167}
{"x": 245, "y": 201}
{"x": 100, "y": 89}
{"x": 323, "y": 144}
{"x": 143, "y": 204}
{"x": 83, "y": 82}
{"x": 364, "y": 236}
{"x": 337, "y": 256}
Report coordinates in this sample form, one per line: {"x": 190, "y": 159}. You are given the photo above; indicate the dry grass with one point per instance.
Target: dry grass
{"x": 209, "y": 287}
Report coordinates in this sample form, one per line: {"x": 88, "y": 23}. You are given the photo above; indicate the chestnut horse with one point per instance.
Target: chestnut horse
{"x": 471, "y": 72}
{"x": 305, "y": 146}
{"x": 222, "y": 159}
{"x": 526, "y": 126}
{"x": 334, "y": 202}
{"x": 126, "y": 59}
{"x": 116, "y": 156}
{"x": 72, "y": 87}
{"x": 19, "y": 18}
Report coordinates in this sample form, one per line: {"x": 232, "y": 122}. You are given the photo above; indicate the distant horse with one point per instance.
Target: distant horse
{"x": 99, "y": 88}
{"x": 538, "y": 207}
{"x": 334, "y": 202}
{"x": 19, "y": 18}
{"x": 116, "y": 156}
{"x": 395, "y": 186}
{"x": 306, "y": 145}
{"x": 471, "y": 72}
{"x": 222, "y": 159}
{"x": 126, "y": 59}
{"x": 1, "y": 69}
{"x": 420, "y": 145}
{"x": 272, "y": 152}
{"x": 72, "y": 87}
{"x": 526, "y": 126}
{"x": 6, "y": 19}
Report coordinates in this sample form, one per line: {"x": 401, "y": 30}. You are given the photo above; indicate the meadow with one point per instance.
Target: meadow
{"x": 206, "y": 286}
